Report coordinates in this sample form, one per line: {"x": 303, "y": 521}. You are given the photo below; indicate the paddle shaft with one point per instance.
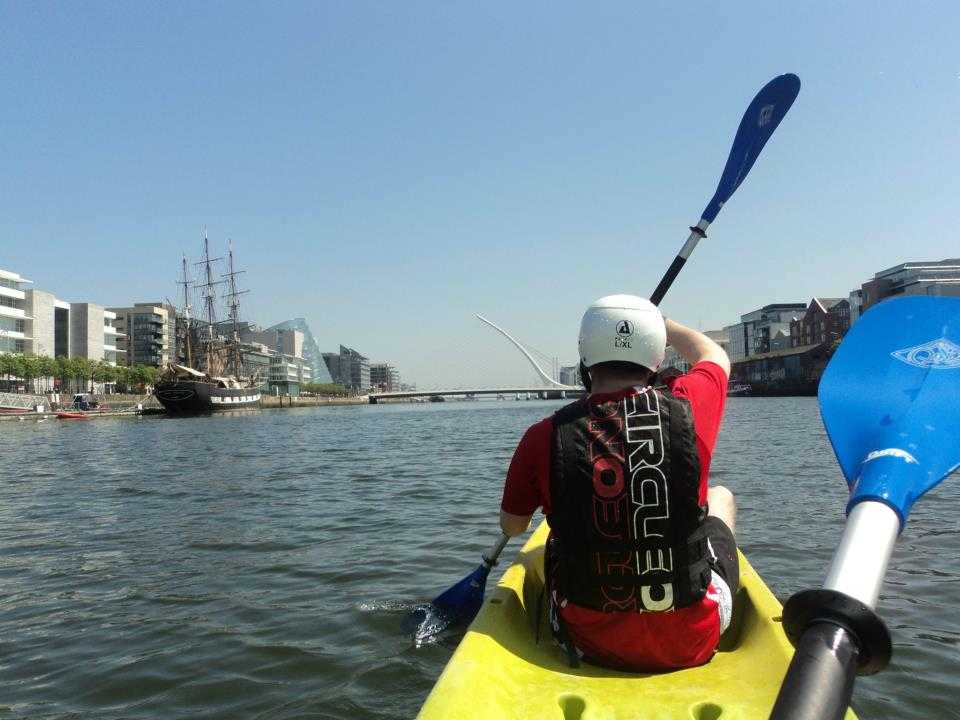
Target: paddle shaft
{"x": 819, "y": 681}
{"x": 697, "y": 233}
{"x": 490, "y": 558}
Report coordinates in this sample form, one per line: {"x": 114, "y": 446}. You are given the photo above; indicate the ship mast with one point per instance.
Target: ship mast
{"x": 186, "y": 310}
{"x": 209, "y": 298}
{"x": 236, "y": 360}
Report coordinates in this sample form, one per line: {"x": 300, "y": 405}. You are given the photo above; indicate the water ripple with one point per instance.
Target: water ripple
{"x": 260, "y": 565}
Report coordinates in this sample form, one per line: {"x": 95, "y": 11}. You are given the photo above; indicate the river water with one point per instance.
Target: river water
{"x": 258, "y": 565}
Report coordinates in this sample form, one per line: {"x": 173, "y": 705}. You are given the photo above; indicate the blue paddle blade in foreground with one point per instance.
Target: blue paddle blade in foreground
{"x": 762, "y": 117}
{"x": 890, "y": 400}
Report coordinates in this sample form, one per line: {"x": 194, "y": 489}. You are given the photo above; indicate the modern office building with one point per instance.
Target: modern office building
{"x": 14, "y": 318}
{"x": 756, "y": 329}
{"x": 353, "y": 370}
{"x": 148, "y": 333}
{"x": 288, "y": 374}
{"x": 570, "y": 375}
{"x": 331, "y": 362}
{"x": 287, "y": 341}
{"x": 36, "y": 322}
{"x": 933, "y": 277}
{"x": 276, "y": 373}
{"x": 384, "y": 377}
{"x": 49, "y": 326}
{"x": 311, "y": 350}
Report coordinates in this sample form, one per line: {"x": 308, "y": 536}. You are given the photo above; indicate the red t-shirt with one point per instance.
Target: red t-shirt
{"x": 643, "y": 641}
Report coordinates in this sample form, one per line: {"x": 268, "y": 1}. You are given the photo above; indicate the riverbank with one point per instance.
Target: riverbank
{"x": 290, "y": 401}
{"x": 267, "y": 402}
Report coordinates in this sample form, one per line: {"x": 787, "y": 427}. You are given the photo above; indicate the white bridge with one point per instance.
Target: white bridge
{"x": 550, "y": 390}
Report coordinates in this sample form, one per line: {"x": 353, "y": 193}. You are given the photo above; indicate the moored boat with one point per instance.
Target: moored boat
{"x": 185, "y": 391}
{"x": 222, "y": 384}
{"x": 502, "y": 670}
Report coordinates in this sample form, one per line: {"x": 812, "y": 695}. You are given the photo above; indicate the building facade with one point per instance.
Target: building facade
{"x": 673, "y": 360}
{"x": 354, "y": 370}
{"x": 757, "y": 329}
{"x": 934, "y": 277}
{"x": 332, "y": 362}
{"x": 35, "y": 322}
{"x": 147, "y": 333}
{"x": 570, "y": 375}
{"x": 311, "y": 350}
{"x": 14, "y": 318}
{"x": 826, "y": 320}
{"x": 384, "y": 377}
{"x": 794, "y": 371}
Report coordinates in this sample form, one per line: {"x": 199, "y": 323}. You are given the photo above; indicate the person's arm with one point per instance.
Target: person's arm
{"x": 521, "y": 492}
{"x": 695, "y": 347}
{"x": 513, "y": 525}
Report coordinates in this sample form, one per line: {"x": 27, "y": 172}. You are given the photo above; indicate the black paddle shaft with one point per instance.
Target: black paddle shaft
{"x": 668, "y": 278}
{"x": 819, "y": 681}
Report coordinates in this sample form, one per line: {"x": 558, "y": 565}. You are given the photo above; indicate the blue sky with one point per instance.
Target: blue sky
{"x": 388, "y": 169}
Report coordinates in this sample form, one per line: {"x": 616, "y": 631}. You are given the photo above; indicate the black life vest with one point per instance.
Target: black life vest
{"x": 626, "y": 520}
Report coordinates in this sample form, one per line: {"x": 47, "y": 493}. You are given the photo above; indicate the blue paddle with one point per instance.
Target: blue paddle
{"x": 890, "y": 401}
{"x": 762, "y": 117}
{"x": 456, "y": 605}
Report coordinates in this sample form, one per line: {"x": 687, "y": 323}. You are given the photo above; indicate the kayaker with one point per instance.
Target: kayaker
{"x": 641, "y": 562}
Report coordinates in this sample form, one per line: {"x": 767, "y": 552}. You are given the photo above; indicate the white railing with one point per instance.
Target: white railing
{"x": 21, "y": 401}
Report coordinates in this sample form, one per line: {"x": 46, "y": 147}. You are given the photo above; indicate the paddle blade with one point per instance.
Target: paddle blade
{"x": 890, "y": 400}
{"x": 759, "y": 121}
{"x": 456, "y": 606}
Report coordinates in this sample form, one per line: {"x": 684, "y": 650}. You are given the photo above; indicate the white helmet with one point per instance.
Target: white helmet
{"x": 623, "y": 328}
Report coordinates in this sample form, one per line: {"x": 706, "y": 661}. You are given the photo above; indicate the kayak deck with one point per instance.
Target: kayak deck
{"x": 499, "y": 670}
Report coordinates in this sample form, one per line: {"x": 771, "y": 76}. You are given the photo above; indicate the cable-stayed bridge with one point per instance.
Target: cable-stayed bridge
{"x": 551, "y": 389}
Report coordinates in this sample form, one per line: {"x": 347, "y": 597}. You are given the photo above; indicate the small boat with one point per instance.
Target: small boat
{"x": 738, "y": 389}
{"x": 508, "y": 666}
{"x": 73, "y": 416}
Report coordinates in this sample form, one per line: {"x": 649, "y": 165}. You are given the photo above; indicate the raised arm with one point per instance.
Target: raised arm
{"x": 695, "y": 347}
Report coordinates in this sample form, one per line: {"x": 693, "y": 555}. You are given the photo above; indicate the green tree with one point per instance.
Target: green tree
{"x": 26, "y": 369}
{"x": 104, "y": 372}
{"x": 150, "y": 375}
{"x": 48, "y": 369}
{"x": 6, "y": 365}
{"x": 327, "y": 389}
{"x": 82, "y": 370}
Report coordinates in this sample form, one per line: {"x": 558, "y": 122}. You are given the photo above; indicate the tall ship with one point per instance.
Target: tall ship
{"x": 209, "y": 376}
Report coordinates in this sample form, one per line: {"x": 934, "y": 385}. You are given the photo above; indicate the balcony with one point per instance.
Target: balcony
{"x": 13, "y": 312}
{"x": 12, "y": 293}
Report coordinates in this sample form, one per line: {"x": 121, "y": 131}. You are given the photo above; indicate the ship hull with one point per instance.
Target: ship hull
{"x": 189, "y": 397}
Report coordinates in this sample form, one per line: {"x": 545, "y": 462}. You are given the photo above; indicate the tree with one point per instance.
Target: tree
{"x": 6, "y": 365}
{"x": 48, "y": 369}
{"x": 82, "y": 370}
{"x": 325, "y": 389}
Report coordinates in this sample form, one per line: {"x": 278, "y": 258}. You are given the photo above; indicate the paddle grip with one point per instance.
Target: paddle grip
{"x": 697, "y": 233}
{"x": 819, "y": 681}
{"x": 490, "y": 558}
{"x": 668, "y": 278}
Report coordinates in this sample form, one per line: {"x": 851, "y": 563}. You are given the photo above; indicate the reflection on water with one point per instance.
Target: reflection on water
{"x": 260, "y": 565}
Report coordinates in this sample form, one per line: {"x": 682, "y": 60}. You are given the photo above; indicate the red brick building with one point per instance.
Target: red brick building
{"x": 826, "y": 320}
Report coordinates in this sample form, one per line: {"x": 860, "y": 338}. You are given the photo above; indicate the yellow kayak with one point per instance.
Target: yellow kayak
{"x": 500, "y": 670}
